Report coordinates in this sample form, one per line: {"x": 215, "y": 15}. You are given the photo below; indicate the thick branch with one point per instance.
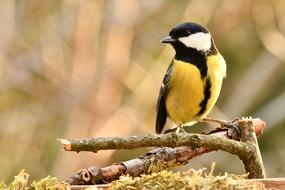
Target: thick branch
{"x": 153, "y": 161}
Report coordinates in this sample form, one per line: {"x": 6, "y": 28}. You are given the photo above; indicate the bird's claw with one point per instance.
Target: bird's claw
{"x": 234, "y": 129}
{"x": 180, "y": 128}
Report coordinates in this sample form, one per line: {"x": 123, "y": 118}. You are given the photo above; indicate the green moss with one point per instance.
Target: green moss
{"x": 20, "y": 182}
{"x": 157, "y": 165}
{"x": 189, "y": 180}
{"x": 193, "y": 179}
{"x": 49, "y": 183}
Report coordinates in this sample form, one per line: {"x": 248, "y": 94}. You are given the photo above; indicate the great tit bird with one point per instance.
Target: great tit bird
{"x": 193, "y": 80}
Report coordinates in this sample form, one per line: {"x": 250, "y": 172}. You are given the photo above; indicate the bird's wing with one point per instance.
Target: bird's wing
{"x": 161, "y": 113}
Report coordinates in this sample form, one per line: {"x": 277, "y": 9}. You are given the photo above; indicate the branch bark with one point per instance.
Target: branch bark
{"x": 162, "y": 158}
{"x": 252, "y": 161}
{"x": 153, "y": 161}
{"x": 154, "y": 140}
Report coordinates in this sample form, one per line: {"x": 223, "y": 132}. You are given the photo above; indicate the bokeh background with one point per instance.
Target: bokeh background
{"x": 82, "y": 68}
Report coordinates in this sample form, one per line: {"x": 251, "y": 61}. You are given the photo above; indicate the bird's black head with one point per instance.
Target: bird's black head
{"x": 190, "y": 36}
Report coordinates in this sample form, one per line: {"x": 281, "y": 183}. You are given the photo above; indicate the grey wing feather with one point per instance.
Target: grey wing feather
{"x": 161, "y": 112}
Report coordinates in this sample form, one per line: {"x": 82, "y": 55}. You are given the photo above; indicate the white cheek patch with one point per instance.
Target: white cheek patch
{"x": 200, "y": 41}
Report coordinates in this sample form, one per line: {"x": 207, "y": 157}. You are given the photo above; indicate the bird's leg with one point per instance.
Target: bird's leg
{"x": 212, "y": 120}
{"x": 180, "y": 128}
{"x": 234, "y": 124}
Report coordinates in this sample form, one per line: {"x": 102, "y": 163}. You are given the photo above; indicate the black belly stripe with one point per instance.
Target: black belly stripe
{"x": 207, "y": 95}
{"x": 202, "y": 66}
{"x": 194, "y": 57}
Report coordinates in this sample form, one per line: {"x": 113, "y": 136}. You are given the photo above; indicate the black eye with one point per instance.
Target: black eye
{"x": 189, "y": 32}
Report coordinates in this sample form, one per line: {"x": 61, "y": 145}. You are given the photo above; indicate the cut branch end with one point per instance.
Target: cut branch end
{"x": 66, "y": 144}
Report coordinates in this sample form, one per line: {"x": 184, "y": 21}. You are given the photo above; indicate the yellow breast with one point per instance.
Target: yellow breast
{"x": 186, "y": 89}
{"x": 185, "y": 92}
{"x": 216, "y": 73}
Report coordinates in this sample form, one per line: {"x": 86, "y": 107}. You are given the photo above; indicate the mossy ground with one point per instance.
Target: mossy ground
{"x": 21, "y": 182}
{"x": 193, "y": 179}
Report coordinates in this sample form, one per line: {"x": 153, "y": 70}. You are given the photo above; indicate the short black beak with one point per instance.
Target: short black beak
{"x": 168, "y": 39}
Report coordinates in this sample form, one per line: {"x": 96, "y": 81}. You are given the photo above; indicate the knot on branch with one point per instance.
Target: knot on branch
{"x": 196, "y": 141}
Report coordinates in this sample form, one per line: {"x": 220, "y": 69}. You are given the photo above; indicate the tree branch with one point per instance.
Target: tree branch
{"x": 154, "y": 140}
{"x": 252, "y": 161}
{"x": 153, "y": 161}
{"x": 162, "y": 158}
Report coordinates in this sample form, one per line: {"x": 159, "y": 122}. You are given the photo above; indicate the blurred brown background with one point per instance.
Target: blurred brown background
{"x": 81, "y": 68}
